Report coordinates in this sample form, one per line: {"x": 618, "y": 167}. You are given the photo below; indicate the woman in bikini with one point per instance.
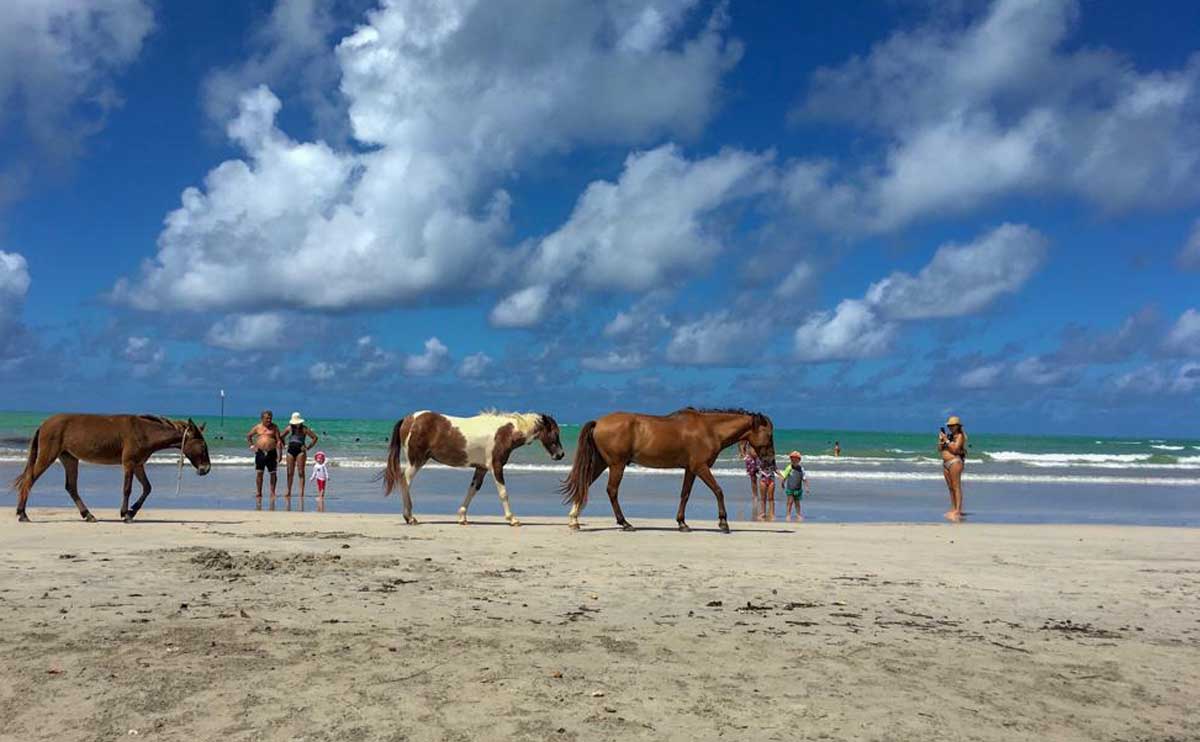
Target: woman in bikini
{"x": 750, "y": 459}
{"x": 952, "y": 443}
{"x": 295, "y": 436}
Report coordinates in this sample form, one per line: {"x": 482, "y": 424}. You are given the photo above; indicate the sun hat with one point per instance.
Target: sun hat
{"x": 953, "y": 420}
{"x": 296, "y": 419}
{"x": 320, "y": 455}
{"x": 794, "y": 455}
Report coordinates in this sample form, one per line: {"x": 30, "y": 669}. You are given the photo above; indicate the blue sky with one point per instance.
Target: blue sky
{"x": 856, "y": 218}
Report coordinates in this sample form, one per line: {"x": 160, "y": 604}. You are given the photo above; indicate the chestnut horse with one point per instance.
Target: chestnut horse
{"x": 689, "y": 439}
{"x": 127, "y": 440}
{"x": 484, "y": 442}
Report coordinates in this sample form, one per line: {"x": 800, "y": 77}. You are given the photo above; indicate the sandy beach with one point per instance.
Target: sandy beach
{"x": 207, "y": 624}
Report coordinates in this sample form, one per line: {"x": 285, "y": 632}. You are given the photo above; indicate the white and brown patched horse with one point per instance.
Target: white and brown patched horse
{"x": 484, "y": 442}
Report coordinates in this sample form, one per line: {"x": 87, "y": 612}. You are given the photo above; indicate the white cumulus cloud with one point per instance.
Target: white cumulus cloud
{"x": 144, "y": 356}
{"x": 58, "y": 60}
{"x": 431, "y": 361}
{"x": 523, "y": 308}
{"x": 444, "y": 102}
{"x": 474, "y": 366}
{"x": 963, "y": 279}
{"x": 999, "y": 105}
{"x": 1184, "y": 336}
{"x": 261, "y": 331}
{"x": 959, "y": 280}
{"x": 652, "y": 226}
{"x": 321, "y": 371}
{"x": 14, "y": 285}
{"x": 614, "y": 361}
{"x": 712, "y": 340}
{"x": 851, "y": 331}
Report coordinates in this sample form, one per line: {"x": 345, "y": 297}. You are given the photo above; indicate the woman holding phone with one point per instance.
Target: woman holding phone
{"x": 952, "y": 443}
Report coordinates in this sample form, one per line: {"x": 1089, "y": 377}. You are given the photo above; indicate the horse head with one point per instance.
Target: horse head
{"x": 762, "y": 436}
{"x": 547, "y": 432}
{"x": 195, "y": 448}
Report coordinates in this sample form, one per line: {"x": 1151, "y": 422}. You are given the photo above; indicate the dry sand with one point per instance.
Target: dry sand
{"x": 211, "y": 625}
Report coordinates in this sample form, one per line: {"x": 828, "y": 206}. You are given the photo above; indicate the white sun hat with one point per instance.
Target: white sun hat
{"x": 296, "y": 419}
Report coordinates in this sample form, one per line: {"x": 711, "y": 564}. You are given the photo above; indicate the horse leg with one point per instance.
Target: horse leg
{"x": 502, "y": 490}
{"x": 71, "y": 464}
{"x": 688, "y": 480}
{"x": 410, "y": 471}
{"x": 615, "y": 472}
{"x": 45, "y": 460}
{"x": 476, "y": 483}
{"x": 140, "y": 473}
{"x": 126, "y": 489}
{"x": 707, "y": 477}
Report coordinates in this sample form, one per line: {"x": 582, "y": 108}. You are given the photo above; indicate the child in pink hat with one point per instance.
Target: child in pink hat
{"x": 320, "y": 473}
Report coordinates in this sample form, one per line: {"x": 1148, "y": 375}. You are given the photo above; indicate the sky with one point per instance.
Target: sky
{"x": 856, "y": 217}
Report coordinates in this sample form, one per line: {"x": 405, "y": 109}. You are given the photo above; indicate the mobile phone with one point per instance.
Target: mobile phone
{"x": 943, "y": 429}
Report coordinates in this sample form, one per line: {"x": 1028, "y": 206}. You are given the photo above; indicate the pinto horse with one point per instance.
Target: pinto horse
{"x": 127, "y": 440}
{"x": 689, "y": 439}
{"x": 484, "y": 442}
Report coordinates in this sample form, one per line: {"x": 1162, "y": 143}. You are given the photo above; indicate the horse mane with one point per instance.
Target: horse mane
{"x": 758, "y": 417}
{"x": 528, "y": 422}
{"x": 179, "y": 426}
{"x": 163, "y": 420}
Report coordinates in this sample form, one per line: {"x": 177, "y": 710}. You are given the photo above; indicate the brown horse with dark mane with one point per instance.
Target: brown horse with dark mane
{"x": 128, "y": 440}
{"x": 689, "y": 439}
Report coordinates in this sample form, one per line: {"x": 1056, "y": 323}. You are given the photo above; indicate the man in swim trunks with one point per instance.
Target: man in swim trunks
{"x": 952, "y": 444}
{"x": 266, "y": 442}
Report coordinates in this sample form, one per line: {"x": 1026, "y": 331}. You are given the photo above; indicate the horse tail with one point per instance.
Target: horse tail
{"x": 587, "y": 466}
{"x": 24, "y": 481}
{"x": 395, "y": 469}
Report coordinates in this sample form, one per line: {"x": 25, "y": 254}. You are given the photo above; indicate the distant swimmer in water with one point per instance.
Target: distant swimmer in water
{"x": 952, "y": 443}
{"x": 837, "y": 448}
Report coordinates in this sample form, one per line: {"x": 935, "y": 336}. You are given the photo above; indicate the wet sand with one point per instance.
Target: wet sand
{"x": 208, "y": 624}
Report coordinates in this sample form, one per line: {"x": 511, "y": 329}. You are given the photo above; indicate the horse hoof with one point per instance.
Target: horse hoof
{"x": 409, "y": 520}
{"x": 684, "y": 528}
{"x": 462, "y": 521}
{"x": 723, "y": 526}
{"x": 626, "y": 527}
{"x": 514, "y": 523}
{"x": 573, "y": 526}
{"x": 89, "y": 517}
{"x": 128, "y": 518}
{"x": 22, "y": 518}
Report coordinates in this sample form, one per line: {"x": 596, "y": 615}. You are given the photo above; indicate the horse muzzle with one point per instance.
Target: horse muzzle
{"x": 559, "y": 456}
{"x": 202, "y": 470}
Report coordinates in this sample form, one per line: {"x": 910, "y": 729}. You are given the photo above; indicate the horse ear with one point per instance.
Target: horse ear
{"x": 202, "y": 425}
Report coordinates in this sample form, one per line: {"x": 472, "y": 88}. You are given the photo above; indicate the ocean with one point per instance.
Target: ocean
{"x": 879, "y": 476}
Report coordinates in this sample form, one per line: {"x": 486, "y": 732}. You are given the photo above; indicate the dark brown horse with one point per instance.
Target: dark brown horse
{"x": 689, "y": 439}
{"x": 127, "y": 440}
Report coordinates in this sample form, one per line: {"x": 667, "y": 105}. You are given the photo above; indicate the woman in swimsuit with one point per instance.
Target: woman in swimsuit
{"x": 295, "y": 435}
{"x": 750, "y": 459}
{"x": 952, "y": 443}
{"x": 766, "y": 487}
